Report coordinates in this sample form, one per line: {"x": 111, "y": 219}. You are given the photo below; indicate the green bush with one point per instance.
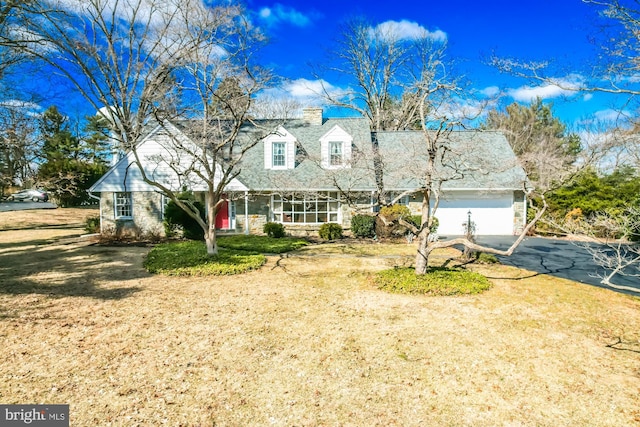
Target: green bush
{"x": 92, "y": 224}
{"x": 395, "y": 212}
{"x": 485, "y": 258}
{"x": 191, "y": 259}
{"x": 363, "y": 226}
{"x": 175, "y": 219}
{"x": 330, "y": 231}
{"x": 274, "y": 229}
{"x": 415, "y": 220}
{"x": 436, "y": 282}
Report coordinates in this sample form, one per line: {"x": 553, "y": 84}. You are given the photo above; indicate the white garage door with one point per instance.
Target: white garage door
{"x": 493, "y": 215}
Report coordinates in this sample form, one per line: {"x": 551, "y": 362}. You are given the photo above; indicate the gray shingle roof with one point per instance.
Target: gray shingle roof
{"x": 472, "y": 159}
{"x": 308, "y": 174}
{"x": 469, "y": 159}
{"x": 482, "y": 159}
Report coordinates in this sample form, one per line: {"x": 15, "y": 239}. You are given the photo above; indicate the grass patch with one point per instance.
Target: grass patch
{"x": 262, "y": 244}
{"x": 437, "y": 282}
{"x": 191, "y": 259}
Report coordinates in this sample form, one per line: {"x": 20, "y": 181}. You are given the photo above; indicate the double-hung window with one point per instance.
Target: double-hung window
{"x": 335, "y": 153}
{"x": 123, "y": 205}
{"x": 279, "y": 154}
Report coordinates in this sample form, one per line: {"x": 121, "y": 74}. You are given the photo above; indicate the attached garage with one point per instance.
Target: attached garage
{"x": 493, "y": 214}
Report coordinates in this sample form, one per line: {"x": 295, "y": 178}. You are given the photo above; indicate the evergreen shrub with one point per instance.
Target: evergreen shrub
{"x": 175, "y": 219}
{"x": 274, "y": 229}
{"x": 330, "y": 231}
{"x": 363, "y": 226}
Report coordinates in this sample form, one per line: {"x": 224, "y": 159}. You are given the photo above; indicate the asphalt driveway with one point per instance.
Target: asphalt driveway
{"x": 556, "y": 257}
{"x": 7, "y": 206}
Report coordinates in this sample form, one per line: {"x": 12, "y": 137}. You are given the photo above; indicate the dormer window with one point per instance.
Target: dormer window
{"x": 280, "y": 150}
{"x": 279, "y": 154}
{"x": 336, "y": 153}
{"x": 336, "y": 149}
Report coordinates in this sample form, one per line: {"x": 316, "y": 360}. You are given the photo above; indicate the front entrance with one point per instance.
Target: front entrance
{"x": 225, "y": 219}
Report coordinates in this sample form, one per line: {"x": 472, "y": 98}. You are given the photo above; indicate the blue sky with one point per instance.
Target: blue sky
{"x": 558, "y": 31}
{"x": 301, "y": 32}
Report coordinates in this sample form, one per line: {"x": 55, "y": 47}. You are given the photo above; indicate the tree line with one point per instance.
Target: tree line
{"x": 47, "y": 151}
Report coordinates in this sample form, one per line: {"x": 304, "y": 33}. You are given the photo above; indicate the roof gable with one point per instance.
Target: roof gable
{"x": 161, "y": 162}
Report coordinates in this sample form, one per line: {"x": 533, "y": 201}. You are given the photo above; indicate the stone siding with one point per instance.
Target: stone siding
{"x": 146, "y": 214}
{"x": 519, "y": 211}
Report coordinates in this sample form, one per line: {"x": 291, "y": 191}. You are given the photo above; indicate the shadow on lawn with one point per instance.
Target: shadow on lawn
{"x": 74, "y": 270}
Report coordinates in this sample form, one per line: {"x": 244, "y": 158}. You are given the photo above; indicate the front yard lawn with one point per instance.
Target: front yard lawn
{"x": 308, "y": 339}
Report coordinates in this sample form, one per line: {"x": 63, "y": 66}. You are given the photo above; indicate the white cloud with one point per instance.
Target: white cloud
{"x": 303, "y": 88}
{"x": 302, "y": 93}
{"x": 278, "y": 13}
{"x": 528, "y": 93}
{"x": 611, "y": 116}
{"x": 587, "y": 97}
{"x": 566, "y": 86}
{"x": 490, "y": 91}
{"x": 16, "y": 104}
{"x": 407, "y": 30}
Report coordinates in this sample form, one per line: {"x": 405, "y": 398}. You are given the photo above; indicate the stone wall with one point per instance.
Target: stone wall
{"x": 146, "y": 214}
{"x": 519, "y": 211}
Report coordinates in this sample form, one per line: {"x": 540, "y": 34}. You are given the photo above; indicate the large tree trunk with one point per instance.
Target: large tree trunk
{"x": 423, "y": 252}
{"x": 210, "y": 234}
{"x": 211, "y": 241}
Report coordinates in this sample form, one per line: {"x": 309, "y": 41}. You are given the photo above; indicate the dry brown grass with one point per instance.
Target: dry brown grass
{"x": 307, "y": 340}
{"x": 42, "y": 226}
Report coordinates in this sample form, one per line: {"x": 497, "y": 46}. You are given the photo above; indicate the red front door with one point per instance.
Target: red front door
{"x": 222, "y": 218}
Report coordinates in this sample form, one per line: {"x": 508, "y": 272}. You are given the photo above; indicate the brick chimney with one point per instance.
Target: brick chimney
{"x": 312, "y": 115}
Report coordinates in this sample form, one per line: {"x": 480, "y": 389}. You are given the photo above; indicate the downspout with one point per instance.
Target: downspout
{"x": 99, "y": 206}
{"x": 246, "y": 212}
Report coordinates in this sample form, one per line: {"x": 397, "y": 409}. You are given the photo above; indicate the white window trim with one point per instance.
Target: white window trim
{"x": 116, "y": 205}
{"x": 273, "y": 165}
{"x": 336, "y": 135}
{"x": 341, "y": 154}
{"x": 304, "y": 201}
{"x": 280, "y": 135}
{"x": 164, "y": 201}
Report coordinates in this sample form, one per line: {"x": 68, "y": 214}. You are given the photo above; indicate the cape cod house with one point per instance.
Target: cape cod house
{"x": 315, "y": 170}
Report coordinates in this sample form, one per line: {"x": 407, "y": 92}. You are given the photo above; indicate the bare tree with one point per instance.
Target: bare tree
{"x": 616, "y": 247}
{"x": 615, "y": 72}
{"x": 144, "y": 61}
{"x": 406, "y": 83}
{"x": 18, "y": 144}
{"x": 382, "y": 63}
{"x": 10, "y": 12}
{"x": 381, "y": 60}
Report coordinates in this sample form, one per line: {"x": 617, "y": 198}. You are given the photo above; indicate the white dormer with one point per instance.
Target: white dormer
{"x": 335, "y": 147}
{"x": 279, "y": 150}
